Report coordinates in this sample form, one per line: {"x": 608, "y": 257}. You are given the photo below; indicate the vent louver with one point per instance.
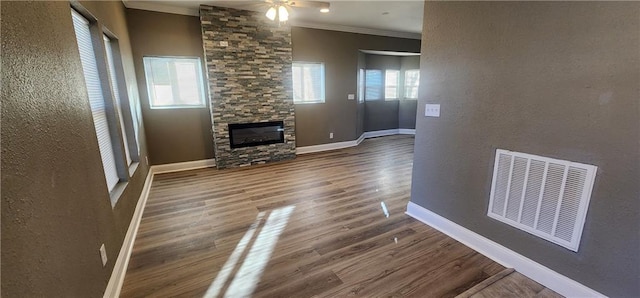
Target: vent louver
{"x": 542, "y": 196}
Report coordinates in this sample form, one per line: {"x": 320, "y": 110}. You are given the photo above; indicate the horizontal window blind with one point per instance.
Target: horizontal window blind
{"x": 411, "y": 83}
{"x": 174, "y": 82}
{"x": 308, "y": 82}
{"x": 391, "y": 82}
{"x": 373, "y": 84}
{"x": 96, "y": 98}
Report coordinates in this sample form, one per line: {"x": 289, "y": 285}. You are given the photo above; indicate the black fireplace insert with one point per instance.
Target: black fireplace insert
{"x": 255, "y": 134}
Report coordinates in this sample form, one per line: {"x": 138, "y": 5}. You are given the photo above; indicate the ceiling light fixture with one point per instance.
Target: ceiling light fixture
{"x": 278, "y": 12}
{"x": 324, "y": 10}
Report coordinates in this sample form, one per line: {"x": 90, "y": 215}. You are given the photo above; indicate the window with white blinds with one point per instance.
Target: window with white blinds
{"x": 373, "y": 84}
{"x": 308, "y": 82}
{"x": 411, "y": 83}
{"x": 391, "y": 84}
{"x": 96, "y": 98}
{"x": 114, "y": 87}
{"x": 174, "y": 82}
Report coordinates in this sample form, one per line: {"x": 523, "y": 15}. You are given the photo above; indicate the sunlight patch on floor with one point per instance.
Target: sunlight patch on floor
{"x": 250, "y": 267}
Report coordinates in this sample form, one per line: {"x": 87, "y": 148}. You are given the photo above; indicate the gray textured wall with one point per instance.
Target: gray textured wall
{"x": 249, "y": 81}
{"x": 56, "y": 210}
{"x": 339, "y": 51}
{"x": 557, "y": 79}
{"x": 174, "y": 135}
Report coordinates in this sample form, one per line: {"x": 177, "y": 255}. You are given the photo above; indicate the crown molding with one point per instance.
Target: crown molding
{"x": 360, "y": 30}
{"x": 150, "y": 6}
{"x": 158, "y": 7}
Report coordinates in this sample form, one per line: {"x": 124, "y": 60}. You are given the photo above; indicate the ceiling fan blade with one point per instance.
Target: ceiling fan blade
{"x": 308, "y": 4}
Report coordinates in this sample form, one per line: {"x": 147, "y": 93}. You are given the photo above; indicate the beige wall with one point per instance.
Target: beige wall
{"x": 339, "y": 51}
{"x": 174, "y": 135}
{"x": 56, "y": 210}
{"x": 557, "y": 79}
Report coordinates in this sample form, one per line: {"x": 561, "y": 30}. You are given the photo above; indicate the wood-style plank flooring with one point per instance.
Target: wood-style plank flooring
{"x": 328, "y": 224}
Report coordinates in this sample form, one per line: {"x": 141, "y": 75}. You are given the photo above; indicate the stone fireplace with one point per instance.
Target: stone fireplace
{"x": 248, "y": 62}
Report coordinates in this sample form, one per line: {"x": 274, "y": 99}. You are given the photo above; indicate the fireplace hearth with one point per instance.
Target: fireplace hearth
{"x": 256, "y": 134}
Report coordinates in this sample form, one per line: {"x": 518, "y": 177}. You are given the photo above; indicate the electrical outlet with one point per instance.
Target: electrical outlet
{"x": 103, "y": 255}
{"x": 351, "y": 96}
{"x": 330, "y": 135}
{"x": 432, "y": 110}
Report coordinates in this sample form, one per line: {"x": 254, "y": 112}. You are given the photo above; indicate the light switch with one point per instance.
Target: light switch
{"x": 351, "y": 96}
{"x": 432, "y": 110}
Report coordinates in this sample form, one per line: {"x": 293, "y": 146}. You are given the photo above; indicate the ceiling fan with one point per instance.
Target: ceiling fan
{"x": 279, "y": 9}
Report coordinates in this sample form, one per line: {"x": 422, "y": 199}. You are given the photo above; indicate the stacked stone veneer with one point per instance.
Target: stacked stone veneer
{"x": 248, "y": 62}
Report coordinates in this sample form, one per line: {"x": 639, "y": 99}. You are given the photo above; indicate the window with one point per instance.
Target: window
{"x": 391, "y": 83}
{"x": 114, "y": 88}
{"x": 373, "y": 84}
{"x": 361, "y": 85}
{"x": 308, "y": 82}
{"x": 96, "y": 99}
{"x": 174, "y": 82}
{"x": 411, "y": 83}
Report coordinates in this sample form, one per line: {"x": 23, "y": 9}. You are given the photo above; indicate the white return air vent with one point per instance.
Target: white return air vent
{"x": 543, "y": 196}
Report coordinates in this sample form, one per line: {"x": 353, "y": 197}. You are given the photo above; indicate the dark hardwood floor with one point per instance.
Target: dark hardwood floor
{"x": 329, "y": 224}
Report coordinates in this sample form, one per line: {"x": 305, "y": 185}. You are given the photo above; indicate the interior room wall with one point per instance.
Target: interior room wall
{"x": 339, "y": 52}
{"x": 174, "y": 135}
{"x": 407, "y": 108}
{"x": 556, "y": 79}
{"x": 175, "y": 34}
{"x": 391, "y": 114}
{"x": 362, "y": 65}
{"x": 56, "y": 209}
{"x": 381, "y": 114}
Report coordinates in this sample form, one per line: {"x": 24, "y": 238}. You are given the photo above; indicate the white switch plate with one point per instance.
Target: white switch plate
{"x": 432, "y": 110}
{"x": 103, "y": 255}
{"x": 330, "y": 135}
{"x": 351, "y": 96}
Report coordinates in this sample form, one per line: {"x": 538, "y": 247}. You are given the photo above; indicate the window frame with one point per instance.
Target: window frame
{"x": 405, "y": 86}
{"x": 387, "y": 85}
{"x": 361, "y": 85}
{"x": 99, "y": 54}
{"x": 200, "y": 82}
{"x": 322, "y": 98}
{"x": 112, "y": 113}
{"x": 122, "y": 101}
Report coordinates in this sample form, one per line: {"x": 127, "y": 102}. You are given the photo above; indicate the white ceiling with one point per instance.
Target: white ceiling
{"x": 390, "y": 18}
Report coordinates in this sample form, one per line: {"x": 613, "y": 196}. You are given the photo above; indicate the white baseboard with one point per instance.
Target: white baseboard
{"x": 360, "y": 139}
{"x": 120, "y": 268}
{"x": 381, "y": 133}
{"x": 506, "y": 257}
{"x": 406, "y": 131}
{"x": 347, "y": 144}
{"x": 183, "y": 166}
{"x": 325, "y": 147}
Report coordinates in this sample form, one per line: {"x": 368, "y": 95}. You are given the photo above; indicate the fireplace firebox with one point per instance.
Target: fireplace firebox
{"x": 255, "y": 134}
